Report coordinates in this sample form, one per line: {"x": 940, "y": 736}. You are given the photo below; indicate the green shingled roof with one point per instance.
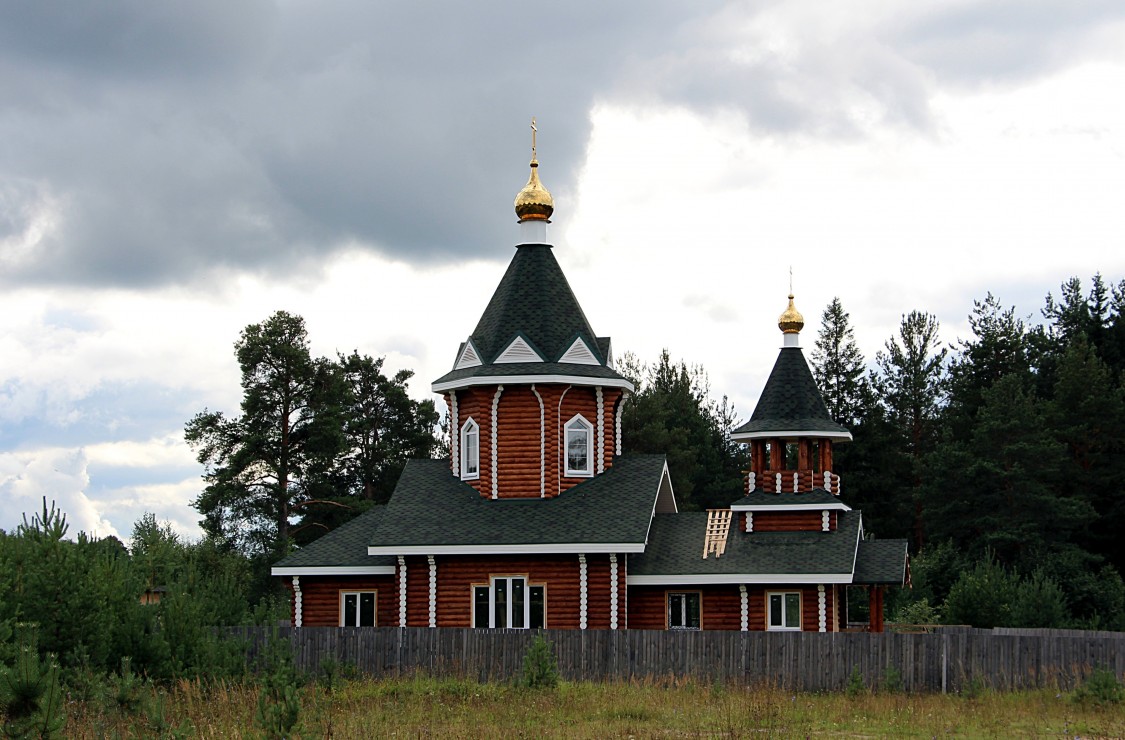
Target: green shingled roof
{"x": 534, "y": 301}
{"x": 345, "y": 546}
{"x": 760, "y": 497}
{"x": 881, "y": 561}
{"x": 790, "y": 401}
{"x": 676, "y": 549}
{"x": 432, "y": 508}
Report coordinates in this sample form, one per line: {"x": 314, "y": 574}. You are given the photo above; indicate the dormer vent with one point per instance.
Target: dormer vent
{"x": 518, "y": 351}
{"x": 579, "y": 353}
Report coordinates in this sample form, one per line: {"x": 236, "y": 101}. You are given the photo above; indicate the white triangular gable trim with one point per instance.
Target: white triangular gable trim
{"x": 580, "y": 354}
{"x": 609, "y": 357}
{"x": 469, "y": 357}
{"x": 518, "y": 351}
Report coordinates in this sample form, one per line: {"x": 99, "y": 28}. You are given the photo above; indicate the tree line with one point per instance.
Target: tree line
{"x": 1000, "y": 458}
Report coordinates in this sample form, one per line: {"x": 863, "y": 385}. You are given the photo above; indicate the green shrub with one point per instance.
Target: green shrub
{"x": 1101, "y": 687}
{"x": 279, "y": 706}
{"x": 540, "y": 668}
{"x": 856, "y": 687}
{"x": 31, "y": 699}
{"x": 891, "y": 681}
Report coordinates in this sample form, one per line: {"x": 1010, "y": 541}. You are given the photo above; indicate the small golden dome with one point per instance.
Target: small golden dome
{"x": 791, "y": 322}
{"x": 534, "y": 202}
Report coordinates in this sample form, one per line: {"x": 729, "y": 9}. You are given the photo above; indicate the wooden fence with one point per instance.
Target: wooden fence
{"x": 950, "y": 659}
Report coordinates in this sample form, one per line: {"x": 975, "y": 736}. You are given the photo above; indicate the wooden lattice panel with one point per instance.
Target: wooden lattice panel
{"x": 718, "y": 526}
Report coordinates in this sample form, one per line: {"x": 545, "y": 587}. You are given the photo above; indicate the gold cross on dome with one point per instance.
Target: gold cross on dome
{"x": 534, "y": 130}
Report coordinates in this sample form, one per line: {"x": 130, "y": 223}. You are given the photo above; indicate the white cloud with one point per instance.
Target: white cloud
{"x": 60, "y": 477}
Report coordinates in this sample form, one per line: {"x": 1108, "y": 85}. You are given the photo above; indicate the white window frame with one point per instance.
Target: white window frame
{"x": 509, "y": 601}
{"x": 578, "y": 422}
{"x": 470, "y": 456}
{"x": 698, "y": 595}
{"x": 784, "y": 626}
{"x": 359, "y": 594}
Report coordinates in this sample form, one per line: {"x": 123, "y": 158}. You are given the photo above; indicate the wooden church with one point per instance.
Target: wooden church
{"x": 540, "y": 519}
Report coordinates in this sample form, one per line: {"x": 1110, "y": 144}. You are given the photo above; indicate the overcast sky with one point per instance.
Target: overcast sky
{"x": 170, "y": 173}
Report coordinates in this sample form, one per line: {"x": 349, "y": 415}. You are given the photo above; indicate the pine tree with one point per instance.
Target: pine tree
{"x": 264, "y": 465}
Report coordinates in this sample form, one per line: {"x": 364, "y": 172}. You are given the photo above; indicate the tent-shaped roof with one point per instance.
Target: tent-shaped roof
{"x": 791, "y": 404}
{"x": 534, "y": 302}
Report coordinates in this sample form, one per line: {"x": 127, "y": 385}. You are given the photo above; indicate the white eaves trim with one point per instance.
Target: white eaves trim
{"x": 518, "y": 379}
{"x": 789, "y": 435}
{"x": 836, "y": 506}
{"x": 469, "y": 357}
{"x": 704, "y": 579}
{"x": 561, "y": 547}
{"x": 334, "y": 570}
{"x": 518, "y": 351}
{"x": 580, "y": 354}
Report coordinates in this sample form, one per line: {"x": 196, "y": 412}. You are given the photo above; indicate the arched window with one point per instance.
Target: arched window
{"x": 579, "y": 447}
{"x": 470, "y": 450}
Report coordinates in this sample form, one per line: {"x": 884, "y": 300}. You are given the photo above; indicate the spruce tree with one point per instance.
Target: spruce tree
{"x": 838, "y": 366}
{"x": 911, "y": 387}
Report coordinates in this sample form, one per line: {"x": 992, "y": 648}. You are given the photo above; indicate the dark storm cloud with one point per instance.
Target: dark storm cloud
{"x": 147, "y": 143}
{"x": 174, "y": 143}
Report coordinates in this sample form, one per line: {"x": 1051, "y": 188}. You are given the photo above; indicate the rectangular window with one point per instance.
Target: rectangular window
{"x": 683, "y": 611}
{"x": 357, "y": 608}
{"x": 784, "y": 610}
{"x": 509, "y": 602}
{"x": 480, "y": 607}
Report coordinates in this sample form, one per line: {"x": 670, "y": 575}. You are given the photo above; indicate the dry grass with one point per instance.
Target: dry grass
{"x": 424, "y": 707}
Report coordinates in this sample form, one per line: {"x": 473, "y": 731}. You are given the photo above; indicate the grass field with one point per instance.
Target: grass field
{"x": 424, "y": 707}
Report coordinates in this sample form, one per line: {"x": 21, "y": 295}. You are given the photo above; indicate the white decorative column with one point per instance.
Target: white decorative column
{"x": 753, "y": 481}
{"x": 433, "y": 590}
{"x": 581, "y": 592}
{"x": 821, "y": 610}
{"x": 455, "y": 435}
{"x": 777, "y": 485}
{"x": 298, "y": 617}
{"x": 617, "y": 424}
{"x": 825, "y": 520}
{"x": 401, "y": 591}
{"x": 613, "y": 591}
{"x": 542, "y": 446}
{"x": 495, "y": 434}
{"x": 744, "y": 607}
{"x": 601, "y": 430}
{"x": 749, "y": 521}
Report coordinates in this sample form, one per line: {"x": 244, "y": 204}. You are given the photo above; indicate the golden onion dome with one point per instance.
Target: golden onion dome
{"x": 791, "y": 322}
{"x": 534, "y": 202}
